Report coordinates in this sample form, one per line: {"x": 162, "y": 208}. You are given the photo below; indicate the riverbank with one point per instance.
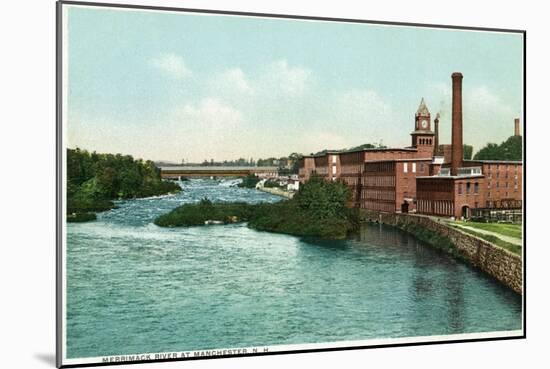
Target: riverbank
{"x": 503, "y": 265}
{"x": 94, "y": 180}
{"x": 277, "y": 191}
{"x": 501, "y": 238}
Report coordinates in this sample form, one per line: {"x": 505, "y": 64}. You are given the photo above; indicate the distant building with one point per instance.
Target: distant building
{"x": 426, "y": 177}
{"x": 293, "y": 185}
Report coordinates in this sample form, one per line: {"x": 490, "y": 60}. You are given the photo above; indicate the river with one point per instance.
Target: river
{"x": 133, "y": 287}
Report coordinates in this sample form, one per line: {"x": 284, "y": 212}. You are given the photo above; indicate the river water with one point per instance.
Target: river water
{"x": 133, "y": 287}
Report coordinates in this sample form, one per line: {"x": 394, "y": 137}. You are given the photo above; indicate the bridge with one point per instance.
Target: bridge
{"x": 176, "y": 172}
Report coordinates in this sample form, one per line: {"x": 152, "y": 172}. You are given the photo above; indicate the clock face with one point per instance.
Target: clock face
{"x": 424, "y": 123}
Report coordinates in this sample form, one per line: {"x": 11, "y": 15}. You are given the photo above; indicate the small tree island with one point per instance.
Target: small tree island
{"x": 317, "y": 210}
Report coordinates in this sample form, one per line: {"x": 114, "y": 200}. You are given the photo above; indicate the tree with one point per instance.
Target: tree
{"x": 511, "y": 149}
{"x": 93, "y": 180}
{"x": 323, "y": 199}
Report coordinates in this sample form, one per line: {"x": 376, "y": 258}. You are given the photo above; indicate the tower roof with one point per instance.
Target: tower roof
{"x": 422, "y": 108}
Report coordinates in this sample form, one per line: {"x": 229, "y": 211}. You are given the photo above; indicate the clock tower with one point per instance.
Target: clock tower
{"x": 423, "y": 136}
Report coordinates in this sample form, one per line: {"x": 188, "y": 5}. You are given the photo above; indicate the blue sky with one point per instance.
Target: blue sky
{"x": 173, "y": 86}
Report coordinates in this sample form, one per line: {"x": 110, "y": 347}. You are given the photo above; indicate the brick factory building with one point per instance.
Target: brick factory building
{"x": 427, "y": 177}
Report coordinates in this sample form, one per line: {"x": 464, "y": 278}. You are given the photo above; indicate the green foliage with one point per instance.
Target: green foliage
{"x": 199, "y": 213}
{"x": 323, "y": 199}
{"x": 467, "y": 152}
{"x": 505, "y": 229}
{"x": 511, "y": 149}
{"x": 288, "y": 217}
{"x": 300, "y": 216}
{"x": 249, "y": 181}
{"x": 81, "y": 217}
{"x": 368, "y": 146}
{"x": 93, "y": 180}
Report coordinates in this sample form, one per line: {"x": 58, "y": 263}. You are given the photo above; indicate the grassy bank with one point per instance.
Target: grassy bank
{"x": 317, "y": 210}
{"x": 505, "y": 229}
{"x": 494, "y": 240}
{"x": 445, "y": 244}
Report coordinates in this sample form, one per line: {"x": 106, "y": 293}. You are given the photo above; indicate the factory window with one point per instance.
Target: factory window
{"x": 405, "y": 168}
{"x": 334, "y": 159}
{"x": 498, "y": 185}
{"x": 421, "y": 167}
{"x": 460, "y": 188}
{"x": 468, "y": 187}
{"x": 414, "y": 167}
{"x": 333, "y": 170}
{"x": 476, "y": 187}
{"x": 489, "y": 194}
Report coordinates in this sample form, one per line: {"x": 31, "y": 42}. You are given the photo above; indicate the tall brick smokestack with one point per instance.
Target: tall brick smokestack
{"x": 456, "y": 139}
{"x": 436, "y": 137}
{"x": 516, "y": 127}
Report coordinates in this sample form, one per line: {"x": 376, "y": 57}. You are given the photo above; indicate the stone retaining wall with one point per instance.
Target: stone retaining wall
{"x": 499, "y": 263}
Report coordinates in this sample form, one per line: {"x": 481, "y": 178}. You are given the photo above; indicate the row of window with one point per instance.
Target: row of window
{"x": 506, "y": 194}
{"x": 505, "y": 175}
{"x": 350, "y": 168}
{"x": 379, "y": 181}
{"x": 378, "y": 195}
{"x": 439, "y": 207}
{"x": 468, "y": 188}
{"x": 351, "y": 181}
{"x": 425, "y": 141}
{"x": 503, "y": 166}
{"x": 506, "y": 185}
{"x": 434, "y": 186}
{"x": 413, "y": 167}
{"x": 380, "y": 167}
{"x": 503, "y": 204}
